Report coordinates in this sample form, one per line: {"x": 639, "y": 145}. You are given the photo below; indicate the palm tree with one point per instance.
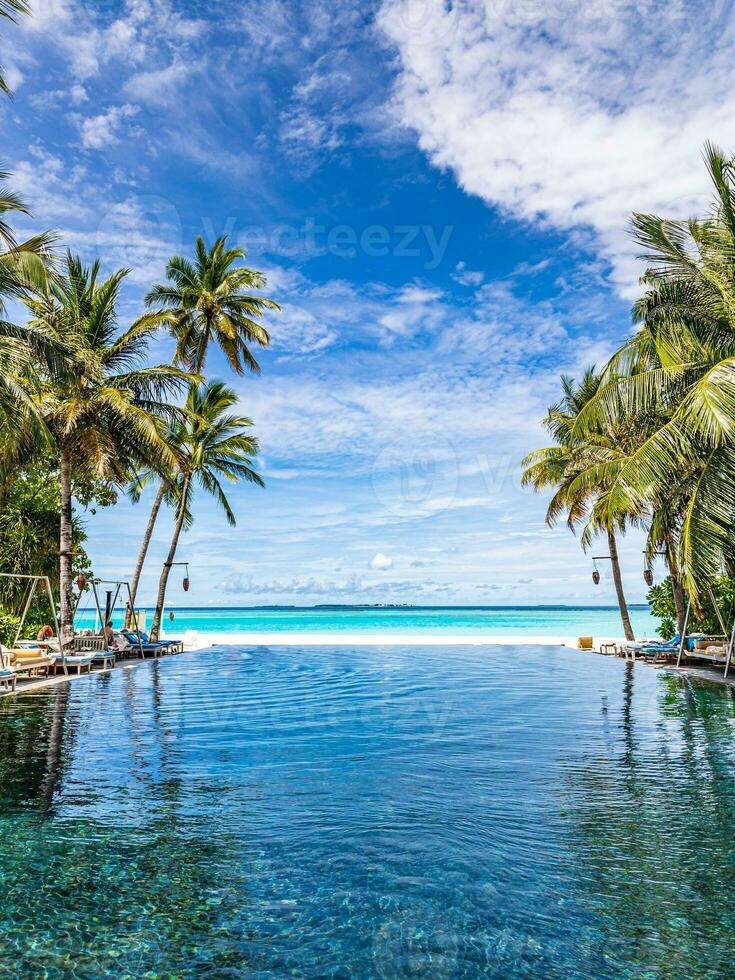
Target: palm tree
{"x": 10, "y": 10}
{"x": 24, "y": 265}
{"x": 167, "y": 492}
{"x": 210, "y": 300}
{"x": 579, "y": 470}
{"x": 203, "y": 303}
{"x": 213, "y": 443}
{"x": 109, "y": 413}
{"x": 682, "y": 365}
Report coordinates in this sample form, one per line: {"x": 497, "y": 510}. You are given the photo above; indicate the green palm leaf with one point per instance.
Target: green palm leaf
{"x": 205, "y": 302}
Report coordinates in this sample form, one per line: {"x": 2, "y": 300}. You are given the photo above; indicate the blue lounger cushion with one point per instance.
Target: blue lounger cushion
{"x": 144, "y": 639}
{"x": 161, "y": 643}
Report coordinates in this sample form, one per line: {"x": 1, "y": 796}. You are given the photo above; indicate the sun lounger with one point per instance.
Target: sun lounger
{"x": 96, "y": 646}
{"x": 141, "y": 647}
{"x": 169, "y": 644}
{"x": 82, "y": 661}
{"x": 7, "y": 679}
{"x": 649, "y": 648}
{"x": 156, "y": 647}
{"x": 661, "y": 651}
{"x": 31, "y": 662}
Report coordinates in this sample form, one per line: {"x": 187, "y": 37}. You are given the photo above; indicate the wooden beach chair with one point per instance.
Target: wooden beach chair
{"x": 97, "y": 647}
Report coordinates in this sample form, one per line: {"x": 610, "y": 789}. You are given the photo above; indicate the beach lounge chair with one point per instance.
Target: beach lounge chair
{"x": 96, "y": 646}
{"x": 174, "y": 646}
{"x": 144, "y": 648}
{"x": 155, "y": 647}
{"x": 7, "y": 679}
{"x": 82, "y": 661}
{"x": 658, "y": 651}
{"x": 35, "y": 663}
{"x": 652, "y": 646}
{"x": 43, "y": 656}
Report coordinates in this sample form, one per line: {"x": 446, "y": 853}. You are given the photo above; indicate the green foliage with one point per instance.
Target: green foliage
{"x": 8, "y": 627}
{"x": 208, "y": 301}
{"x": 107, "y": 409}
{"x": 29, "y": 529}
{"x": 661, "y": 599}
{"x": 31, "y": 627}
{"x": 679, "y": 366}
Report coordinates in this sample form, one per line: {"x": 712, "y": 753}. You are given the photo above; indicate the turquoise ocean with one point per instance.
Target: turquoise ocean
{"x": 427, "y": 620}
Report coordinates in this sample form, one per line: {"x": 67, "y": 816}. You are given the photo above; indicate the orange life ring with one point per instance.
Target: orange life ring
{"x": 45, "y": 633}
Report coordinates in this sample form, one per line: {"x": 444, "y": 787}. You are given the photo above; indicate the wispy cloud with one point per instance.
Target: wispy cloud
{"x": 104, "y": 130}
{"x": 562, "y": 113}
{"x": 422, "y": 332}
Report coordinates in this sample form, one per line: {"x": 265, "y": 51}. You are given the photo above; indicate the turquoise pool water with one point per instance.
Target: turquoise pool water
{"x": 394, "y": 812}
{"x": 494, "y": 621}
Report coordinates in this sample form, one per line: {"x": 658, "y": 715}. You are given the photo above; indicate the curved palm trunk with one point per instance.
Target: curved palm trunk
{"x": 618, "y": 580}
{"x": 66, "y": 534}
{"x": 156, "y": 627}
{"x": 142, "y": 554}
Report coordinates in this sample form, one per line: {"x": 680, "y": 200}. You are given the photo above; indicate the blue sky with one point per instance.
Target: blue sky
{"x": 439, "y": 197}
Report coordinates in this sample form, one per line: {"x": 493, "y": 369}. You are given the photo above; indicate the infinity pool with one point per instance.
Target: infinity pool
{"x": 398, "y": 812}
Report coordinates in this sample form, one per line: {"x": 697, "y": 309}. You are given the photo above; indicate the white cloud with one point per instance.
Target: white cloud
{"x": 564, "y": 113}
{"x": 146, "y": 32}
{"x": 138, "y": 232}
{"x": 13, "y": 77}
{"x": 299, "y": 331}
{"x": 467, "y": 277}
{"x": 157, "y": 87}
{"x": 381, "y": 562}
{"x": 53, "y": 188}
{"x": 304, "y": 130}
{"x": 391, "y": 402}
{"x": 103, "y": 130}
{"x": 412, "y": 309}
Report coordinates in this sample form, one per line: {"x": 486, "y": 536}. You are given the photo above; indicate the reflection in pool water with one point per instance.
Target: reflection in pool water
{"x": 371, "y": 812}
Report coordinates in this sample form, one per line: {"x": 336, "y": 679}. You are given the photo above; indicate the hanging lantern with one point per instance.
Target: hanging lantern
{"x": 171, "y": 616}
{"x": 81, "y": 581}
{"x": 595, "y": 576}
{"x": 648, "y": 576}
{"x": 186, "y": 584}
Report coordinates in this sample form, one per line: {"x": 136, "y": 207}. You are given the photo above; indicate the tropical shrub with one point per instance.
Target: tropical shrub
{"x": 9, "y": 627}
{"x": 29, "y": 526}
{"x": 706, "y": 620}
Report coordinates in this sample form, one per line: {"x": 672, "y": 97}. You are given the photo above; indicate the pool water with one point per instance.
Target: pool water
{"x": 369, "y": 812}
